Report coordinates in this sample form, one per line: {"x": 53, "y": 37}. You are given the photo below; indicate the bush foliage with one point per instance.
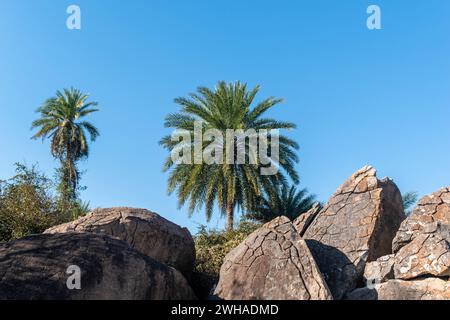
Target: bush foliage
{"x": 28, "y": 204}
{"x": 213, "y": 245}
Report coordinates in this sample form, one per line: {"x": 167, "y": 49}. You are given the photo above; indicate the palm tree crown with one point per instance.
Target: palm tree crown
{"x": 282, "y": 201}
{"x": 229, "y": 186}
{"x": 61, "y": 121}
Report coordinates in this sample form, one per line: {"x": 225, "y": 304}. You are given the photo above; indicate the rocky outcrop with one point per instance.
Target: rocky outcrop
{"x": 36, "y": 268}
{"x": 431, "y": 215}
{"x": 273, "y": 263}
{"x": 420, "y": 264}
{"x": 326, "y": 253}
{"x": 143, "y": 230}
{"x": 356, "y": 226}
{"x": 427, "y": 254}
{"x": 422, "y": 245}
{"x": 380, "y": 270}
{"x": 425, "y": 289}
{"x": 302, "y": 223}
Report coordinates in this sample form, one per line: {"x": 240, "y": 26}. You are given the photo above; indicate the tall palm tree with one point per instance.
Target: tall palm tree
{"x": 61, "y": 120}
{"x": 229, "y": 186}
{"x": 282, "y": 201}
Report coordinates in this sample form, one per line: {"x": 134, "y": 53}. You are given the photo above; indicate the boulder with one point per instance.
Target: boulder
{"x": 305, "y": 219}
{"x": 427, "y": 254}
{"x": 380, "y": 270}
{"x": 431, "y": 214}
{"x": 145, "y": 231}
{"x": 356, "y": 226}
{"x": 425, "y": 289}
{"x": 273, "y": 263}
{"x": 40, "y": 267}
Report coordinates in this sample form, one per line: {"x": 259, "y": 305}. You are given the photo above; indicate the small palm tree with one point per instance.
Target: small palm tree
{"x": 230, "y": 186}
{"x": 409, "y": 200}
{"x": 282, "y": 201}
{"x": 61, "y": 121}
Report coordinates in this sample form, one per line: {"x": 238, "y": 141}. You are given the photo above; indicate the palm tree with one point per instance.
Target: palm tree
{"x": 229, "y": 186}
{"x": 409, "y": 199}
{"x": 282, "y": 201}
{"x": 61, "y": 121}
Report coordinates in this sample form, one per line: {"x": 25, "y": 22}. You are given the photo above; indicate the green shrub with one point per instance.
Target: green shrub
{"x": 212, "y": 246}
{"x": 28, "y": 204}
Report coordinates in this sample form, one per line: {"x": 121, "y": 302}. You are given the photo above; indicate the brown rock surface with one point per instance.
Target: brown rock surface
{"x": 34, "y": 268}
{"x": 431, "y": 214}
{"x": 145, "y": 231}
{"x": 357, "y": 225}
{"x": 427, "y": 254}
{"x": 425, "y": 289}
{"x": 273, "y": 263}
{"x": 380, "y": 270}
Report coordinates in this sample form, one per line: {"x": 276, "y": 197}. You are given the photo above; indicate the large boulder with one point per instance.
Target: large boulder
{"x": 273, "y": 263}
{"x": 145, "y": 231}
{"x": 356, "y": 226}
{"x": 424, "y": 289}
{"x": 36, "y": 268}
{"x": 431, "y": 215}
{"x": 427, "y": 254}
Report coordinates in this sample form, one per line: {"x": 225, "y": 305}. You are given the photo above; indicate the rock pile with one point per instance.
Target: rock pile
{"x": 356, "y": 226}
{"x": 360, "y": 241}
{"x": 420, "y": 266}
{"x": 121, "y": 253}
{"x": 359, "y": 246}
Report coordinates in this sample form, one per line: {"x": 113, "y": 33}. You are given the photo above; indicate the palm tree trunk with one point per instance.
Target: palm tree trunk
{"x": 71, "y": 172}
{"x": 68, "y": 183}
{"x": 230, "y": 217}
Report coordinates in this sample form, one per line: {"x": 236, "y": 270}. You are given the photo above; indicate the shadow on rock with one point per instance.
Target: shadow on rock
{"x": 338, "y": 271}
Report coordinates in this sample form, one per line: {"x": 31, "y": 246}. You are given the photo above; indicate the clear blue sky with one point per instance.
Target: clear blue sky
{"x": 358, "y": 96}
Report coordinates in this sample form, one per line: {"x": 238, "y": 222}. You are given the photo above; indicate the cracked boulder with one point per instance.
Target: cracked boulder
{"x": 305, "y": 219}
{"x": 432, "y": 215}
{"x": 427, "y": 254}
{"x": 424, "y": 289}
{"x": 356, "y": 226}
{"x": 145, "y": 231}
{"x": 273, "y": 263}
{"x": 82, "y": 266}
